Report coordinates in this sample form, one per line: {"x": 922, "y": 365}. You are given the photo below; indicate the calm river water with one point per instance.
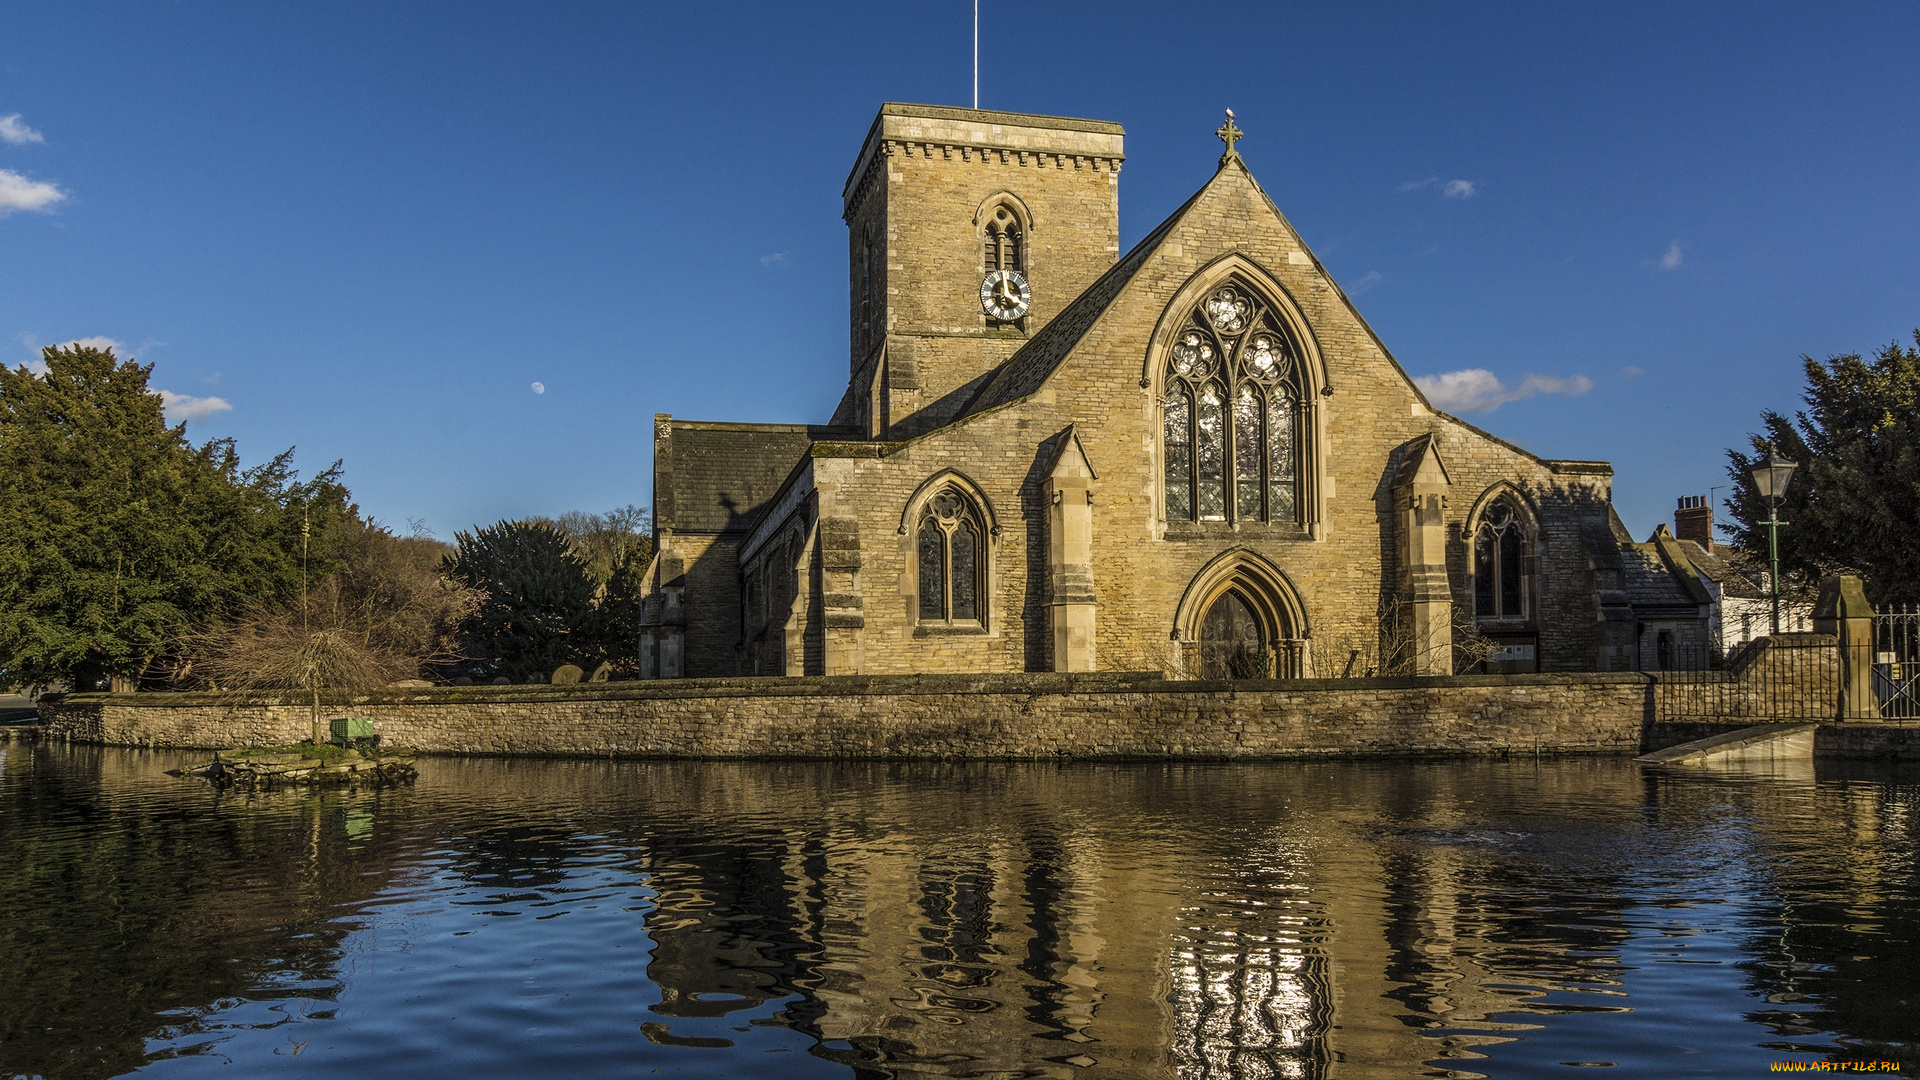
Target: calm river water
{"x": 599, "y": 919}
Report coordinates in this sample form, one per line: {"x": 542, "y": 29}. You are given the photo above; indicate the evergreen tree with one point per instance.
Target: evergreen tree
{"x": 616, "y": 621}
{"x": 117, "y": 537}
{"x": 1854, "y": 503}
{"x": 616, "y": 548}
{"x": 537, "y": 612}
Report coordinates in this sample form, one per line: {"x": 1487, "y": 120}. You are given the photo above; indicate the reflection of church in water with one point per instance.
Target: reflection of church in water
{"x": 1193, "y": 457}
{"x": 1216, "y": 936}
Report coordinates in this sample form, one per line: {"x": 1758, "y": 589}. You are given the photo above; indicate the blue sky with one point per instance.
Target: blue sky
{"x": 369, "y": 229}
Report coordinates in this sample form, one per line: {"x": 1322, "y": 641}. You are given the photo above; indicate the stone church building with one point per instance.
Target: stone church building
{"x": 1195, "y": 457}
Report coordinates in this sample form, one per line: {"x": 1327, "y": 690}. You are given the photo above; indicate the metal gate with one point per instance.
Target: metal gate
{"x": 1789, "y": 678}
{"x": 1896, "y": 661}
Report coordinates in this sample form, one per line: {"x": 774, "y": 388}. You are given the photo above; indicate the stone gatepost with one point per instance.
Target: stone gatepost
{"x": 1420, "y": 496}
{"x": 1843, "y": 611}
{"x": 842, "y": 618}
{"x": 1070, "y": 599}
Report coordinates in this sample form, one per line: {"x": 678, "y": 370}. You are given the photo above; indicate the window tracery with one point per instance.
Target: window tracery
{"x": 950, "y": 547}
{"x": 1501, "y": 565}
{"x": 1003, "y": 242}
{"x": 1231, "y": 413}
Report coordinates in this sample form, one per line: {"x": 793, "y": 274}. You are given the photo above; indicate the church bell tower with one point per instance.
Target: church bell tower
{"x": 967, "y": 231}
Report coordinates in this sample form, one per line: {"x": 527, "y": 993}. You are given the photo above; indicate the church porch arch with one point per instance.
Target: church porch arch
{"x": 1241, "y": 617}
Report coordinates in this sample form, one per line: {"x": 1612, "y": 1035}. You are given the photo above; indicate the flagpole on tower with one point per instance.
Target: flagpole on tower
{"x": 976, "y": 53}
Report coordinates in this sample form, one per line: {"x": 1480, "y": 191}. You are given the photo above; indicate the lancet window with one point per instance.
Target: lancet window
{"x": 950, "y": 543}
{"x": 1502, "y": 565}
{"x": 1003, "y": 243}
{"x": 1232, "y": 413}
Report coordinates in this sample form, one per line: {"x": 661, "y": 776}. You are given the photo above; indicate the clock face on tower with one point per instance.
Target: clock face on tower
{"x": 1005, "y": 295}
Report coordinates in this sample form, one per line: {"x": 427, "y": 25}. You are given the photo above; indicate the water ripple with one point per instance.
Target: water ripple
{"x": 589, "y": 919}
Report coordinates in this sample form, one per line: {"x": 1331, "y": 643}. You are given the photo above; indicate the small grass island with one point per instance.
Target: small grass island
{"x": 321, "y": 764}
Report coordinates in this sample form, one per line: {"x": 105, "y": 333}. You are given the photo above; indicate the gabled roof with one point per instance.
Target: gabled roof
{"x": 1725, "y": 568}
{"x": 1675, "y": 558}
{"x": 1027, "y": 370}
{"x": 718, "y": 477}
{"x": 1419, "y": 451}
{"x": 1650, "y": 583}
{"x": 1068, "y": 443}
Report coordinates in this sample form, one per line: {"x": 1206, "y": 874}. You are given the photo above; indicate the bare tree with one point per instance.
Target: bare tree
{"x": 386, "y": 615}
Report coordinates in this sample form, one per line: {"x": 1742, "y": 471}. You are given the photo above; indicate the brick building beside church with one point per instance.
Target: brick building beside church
{"x": 1195, "y": 457}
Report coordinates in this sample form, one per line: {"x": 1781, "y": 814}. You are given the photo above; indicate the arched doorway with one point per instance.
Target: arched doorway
{"x": 1240, "y": 619}
{"x": 1233, "y": 643}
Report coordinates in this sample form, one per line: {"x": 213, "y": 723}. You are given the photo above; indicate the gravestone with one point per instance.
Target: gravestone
{"x": 602, "y": 673}
{"x": 567, "y": 673}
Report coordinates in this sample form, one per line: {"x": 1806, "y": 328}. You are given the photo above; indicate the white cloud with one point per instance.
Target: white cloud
{"x": 1416, "y": 185}
{"x": 19, "y": 193}
{"x": 1460, "y": 189}
{"x": 1366, "y": 281}
{"x": 1479, "y": 390}
{"x": 33, "y": 364}
{"x": 1672, "y": 258}
{"x": 36, "y": 366}
{"x": 188, "y": 407}
{"x": 17, "y": 133}
{"x": 539, "y": 388}
{"x": 1632, "y": 371}
{"x": 778, "y": 258}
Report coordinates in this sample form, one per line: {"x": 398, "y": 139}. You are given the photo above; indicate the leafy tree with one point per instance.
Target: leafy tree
{"x": 1854, "y": 503}
{"x": 537, "y": 610}
{"x": 118, "y": 537}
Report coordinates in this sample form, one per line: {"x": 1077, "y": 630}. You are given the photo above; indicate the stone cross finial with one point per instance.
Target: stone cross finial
{"x": 1228, "y": 133}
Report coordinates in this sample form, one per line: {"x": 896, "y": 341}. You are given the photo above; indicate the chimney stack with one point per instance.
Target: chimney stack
{"x": 1693, "y": 520}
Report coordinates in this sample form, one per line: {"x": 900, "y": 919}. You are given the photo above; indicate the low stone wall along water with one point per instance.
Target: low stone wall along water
{"x": 983, "y": 716}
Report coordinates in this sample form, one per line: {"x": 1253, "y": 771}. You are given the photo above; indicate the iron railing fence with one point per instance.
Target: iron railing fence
{"x": 1769, "y": 680}
{"x": 1896, "y": 661}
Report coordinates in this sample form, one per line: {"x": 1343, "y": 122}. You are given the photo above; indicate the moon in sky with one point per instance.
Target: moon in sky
{"x": 539, "y": 388}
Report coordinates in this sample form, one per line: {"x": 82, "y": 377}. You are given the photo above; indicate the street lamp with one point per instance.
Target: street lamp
{"x": 1770, "y": 476}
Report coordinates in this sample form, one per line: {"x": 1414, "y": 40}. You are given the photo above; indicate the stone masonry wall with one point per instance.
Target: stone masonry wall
{"x": 994, "y": 716}
{"x": 929, "y": 172}
{"x": 712, "y": 642}
{"x": 1142, "y": 566}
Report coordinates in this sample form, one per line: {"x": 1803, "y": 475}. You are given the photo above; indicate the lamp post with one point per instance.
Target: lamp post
{"x": 1770, "y": 476}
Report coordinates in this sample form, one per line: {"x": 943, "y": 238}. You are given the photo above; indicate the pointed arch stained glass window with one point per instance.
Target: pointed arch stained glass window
{"x": 1500, "y": 586}
{"x": 949, "y": 545}
{"x": 1231, "y": 413}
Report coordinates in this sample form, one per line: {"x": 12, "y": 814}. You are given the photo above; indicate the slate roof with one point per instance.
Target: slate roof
{"x": 1648, "y": 581}
{"x": 1723, "y": 567}
{"x": 720, "y": 476}
{"x": 1602, "y": 545}
{"x": 1659, "y": 573}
